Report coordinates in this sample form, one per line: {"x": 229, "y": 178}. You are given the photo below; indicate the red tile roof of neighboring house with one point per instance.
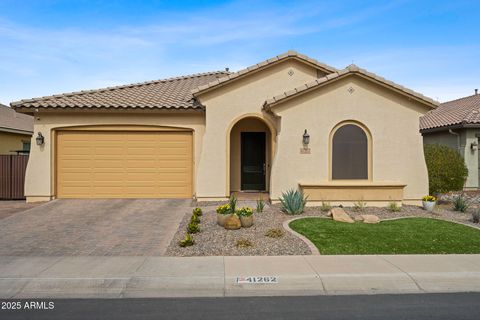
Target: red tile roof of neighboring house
{"x": 459, "y": 112}
{"x": 11, "y": 121}
{"x": 172, "y": 93}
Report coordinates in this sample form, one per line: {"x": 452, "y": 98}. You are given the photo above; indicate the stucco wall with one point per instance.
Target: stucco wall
{"x": 392, "y": 119}
{"x": 228, "y": 104}
{"x": 39, "y": 177}
{"x": 447, "y": 139}
{"x": 11, "y": 142}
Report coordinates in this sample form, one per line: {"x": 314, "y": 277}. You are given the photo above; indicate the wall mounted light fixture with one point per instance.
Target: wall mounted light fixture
{"x": 474, "y": 145}
{"x": 40, "y": 139}
{"x": 306, "y": 138}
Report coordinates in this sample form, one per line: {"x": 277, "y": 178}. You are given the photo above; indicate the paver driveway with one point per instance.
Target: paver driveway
{"x": 113, "y": 227}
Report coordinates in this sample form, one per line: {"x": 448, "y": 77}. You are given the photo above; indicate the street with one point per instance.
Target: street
{"x": 406, "y": 306}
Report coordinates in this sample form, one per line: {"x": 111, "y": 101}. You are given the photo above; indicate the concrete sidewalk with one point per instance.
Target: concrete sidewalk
{"x": 117, "y": 277}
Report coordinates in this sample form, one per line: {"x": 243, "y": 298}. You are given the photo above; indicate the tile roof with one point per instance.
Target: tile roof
{"x": 172, "y": 93}
{"x": 351, "y": 69}
{"x": 239, "y": 74}
{"x": 456, "y": 112}
{"x": 11, "y": 121}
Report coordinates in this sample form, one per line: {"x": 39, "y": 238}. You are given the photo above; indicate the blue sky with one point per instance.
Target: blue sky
{"x": 49, "y": 47}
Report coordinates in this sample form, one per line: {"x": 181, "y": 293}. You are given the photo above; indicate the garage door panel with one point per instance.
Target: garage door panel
{"x": 124, "y": 164}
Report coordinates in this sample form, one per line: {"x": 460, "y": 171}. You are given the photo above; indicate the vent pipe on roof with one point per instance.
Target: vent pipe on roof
{"x": 476, "y": 91}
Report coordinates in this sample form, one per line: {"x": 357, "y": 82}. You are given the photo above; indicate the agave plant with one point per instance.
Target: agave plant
{"x": 293, "y": 201}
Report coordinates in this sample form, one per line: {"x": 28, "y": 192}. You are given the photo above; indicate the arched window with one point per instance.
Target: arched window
{"x": 350, "y": 153}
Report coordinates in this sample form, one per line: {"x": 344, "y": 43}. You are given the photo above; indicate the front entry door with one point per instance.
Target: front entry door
{"x": 253, "y": 163}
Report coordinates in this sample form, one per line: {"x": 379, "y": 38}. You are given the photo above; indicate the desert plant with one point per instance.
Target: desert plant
{"x": 460, "y": 203}
{"x": 359, "y": 206}
{"x": 476, "y": 216}
{"x": 446, "y": 169}
{"x": 325, "y": 207}
{"x": 187, "y": 241}
{"x": 394, "y": 207}
{"x": 243, "y": 243}
{"x": 224, "y": 209}
{"x": 244, "y": 212}
{"x": 274, "y": 233}
{"x": 198, "y": 212}
{"x": 260, "y": 206}
{"x": 293, "y": 201}
{"x": 195, "y": 218}
{"x": 233, "y": 203}
{"x": 193, "y": 227}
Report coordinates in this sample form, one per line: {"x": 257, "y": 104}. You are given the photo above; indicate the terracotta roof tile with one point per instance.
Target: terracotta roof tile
{"x": 351, "y": 69}
{"x": 456, "y": 112}
{"x": 172, "y": 93}
{"x": 263, "y": 64}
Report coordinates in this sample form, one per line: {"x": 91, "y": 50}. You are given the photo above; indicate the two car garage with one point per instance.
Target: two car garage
{"x": 124, "y": 164}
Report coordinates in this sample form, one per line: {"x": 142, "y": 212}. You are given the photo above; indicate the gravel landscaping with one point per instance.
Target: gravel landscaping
{"x": 214, "y": 240}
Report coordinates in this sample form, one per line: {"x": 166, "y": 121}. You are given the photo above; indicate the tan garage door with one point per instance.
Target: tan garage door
{"x": 109, "y": 164}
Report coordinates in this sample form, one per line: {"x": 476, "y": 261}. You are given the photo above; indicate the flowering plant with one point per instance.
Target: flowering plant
{"x": 429, "y": 199}
{"x": 244, "y": 212}
{"x": 225, "y": 209}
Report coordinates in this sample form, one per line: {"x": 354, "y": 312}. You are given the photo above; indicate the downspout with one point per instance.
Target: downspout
{"x": 458, "y": 139}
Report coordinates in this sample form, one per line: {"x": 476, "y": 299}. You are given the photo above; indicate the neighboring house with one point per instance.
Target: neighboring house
{"x": 16, "y": 130}
{"x": 287, "y": 122}
{"x": 456, "y": 124}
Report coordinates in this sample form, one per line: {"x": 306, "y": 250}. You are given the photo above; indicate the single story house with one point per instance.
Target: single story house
{"x": 16, "y": 130}
{"x": 288, "y": 122}
{"x": 456, "y": 124}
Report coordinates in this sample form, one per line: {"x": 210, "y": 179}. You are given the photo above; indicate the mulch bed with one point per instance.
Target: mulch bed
{"x": 214, "y": 240}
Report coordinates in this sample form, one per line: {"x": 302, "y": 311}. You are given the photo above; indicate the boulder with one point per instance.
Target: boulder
{"x": 233, "y": 222}
{"x": 370, "y": 218}
{"x": 338, "y": 214}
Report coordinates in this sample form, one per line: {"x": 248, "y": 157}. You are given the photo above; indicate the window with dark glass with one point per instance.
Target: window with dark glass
{"x": 350, "y": 153}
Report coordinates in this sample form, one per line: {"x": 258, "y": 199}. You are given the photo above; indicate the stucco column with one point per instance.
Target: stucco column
{"x": 471, "y": 159}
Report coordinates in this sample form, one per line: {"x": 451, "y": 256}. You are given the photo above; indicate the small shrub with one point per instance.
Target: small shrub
{"x": 225, "y": 209}
{"x": 187, "y": 241}
{"x": 260, "y": 206}
{"x": 198, "y": 212}
{"x": 274, "y": 233}
{"x": 393, "y": 207}
{"x": 233, "y": 203}
{"x": 325, "y": 207}
{"x": 359, "y": 206}
{"x": 195, "y": 219}
{"x": 293, "y": 202}
{"x": 243, "y": 243}
{"x": 446, "y": 169}
{"x": 193, "y": 227}
{"x": 476, "y": 216}
{"x": 429, "y": 199}
{"x": 244, "y": 212}
{"x": 460, "y": 203}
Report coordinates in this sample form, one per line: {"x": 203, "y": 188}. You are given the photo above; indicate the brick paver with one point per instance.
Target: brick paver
{"x": 113, "y": 227}
{"x": 10, "y": 207}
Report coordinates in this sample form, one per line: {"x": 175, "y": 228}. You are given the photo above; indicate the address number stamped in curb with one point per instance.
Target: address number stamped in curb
{"x": 257, "y": 280}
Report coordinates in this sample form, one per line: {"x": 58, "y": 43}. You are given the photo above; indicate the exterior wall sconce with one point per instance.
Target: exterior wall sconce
{"x": 40, "y": 139}
{"x": 306, "y": 138}
{"x": 474, "y": 145}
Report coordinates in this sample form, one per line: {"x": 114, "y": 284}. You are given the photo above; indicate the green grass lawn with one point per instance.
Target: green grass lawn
{"x": 403, "y": 236}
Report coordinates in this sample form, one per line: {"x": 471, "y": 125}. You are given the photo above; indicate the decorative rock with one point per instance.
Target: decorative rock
{"x": 233, "y": 223}
{"x": 358, "y": 218}
{"x": 338, "y": 214}
{"x": 370, "y": 218}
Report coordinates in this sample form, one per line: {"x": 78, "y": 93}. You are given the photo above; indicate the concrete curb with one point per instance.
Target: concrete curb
{"x": 309, "y": 243}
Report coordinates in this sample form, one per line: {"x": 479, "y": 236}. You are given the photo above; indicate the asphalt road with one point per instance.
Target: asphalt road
{"x": 419, "y": 306}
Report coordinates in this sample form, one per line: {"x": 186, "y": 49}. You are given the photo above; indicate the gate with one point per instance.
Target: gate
{"x": 12, "y": 176}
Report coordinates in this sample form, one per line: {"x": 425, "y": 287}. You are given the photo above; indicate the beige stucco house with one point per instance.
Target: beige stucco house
{"x": 15, "y": 131}
{"x": 287, "y": 122}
